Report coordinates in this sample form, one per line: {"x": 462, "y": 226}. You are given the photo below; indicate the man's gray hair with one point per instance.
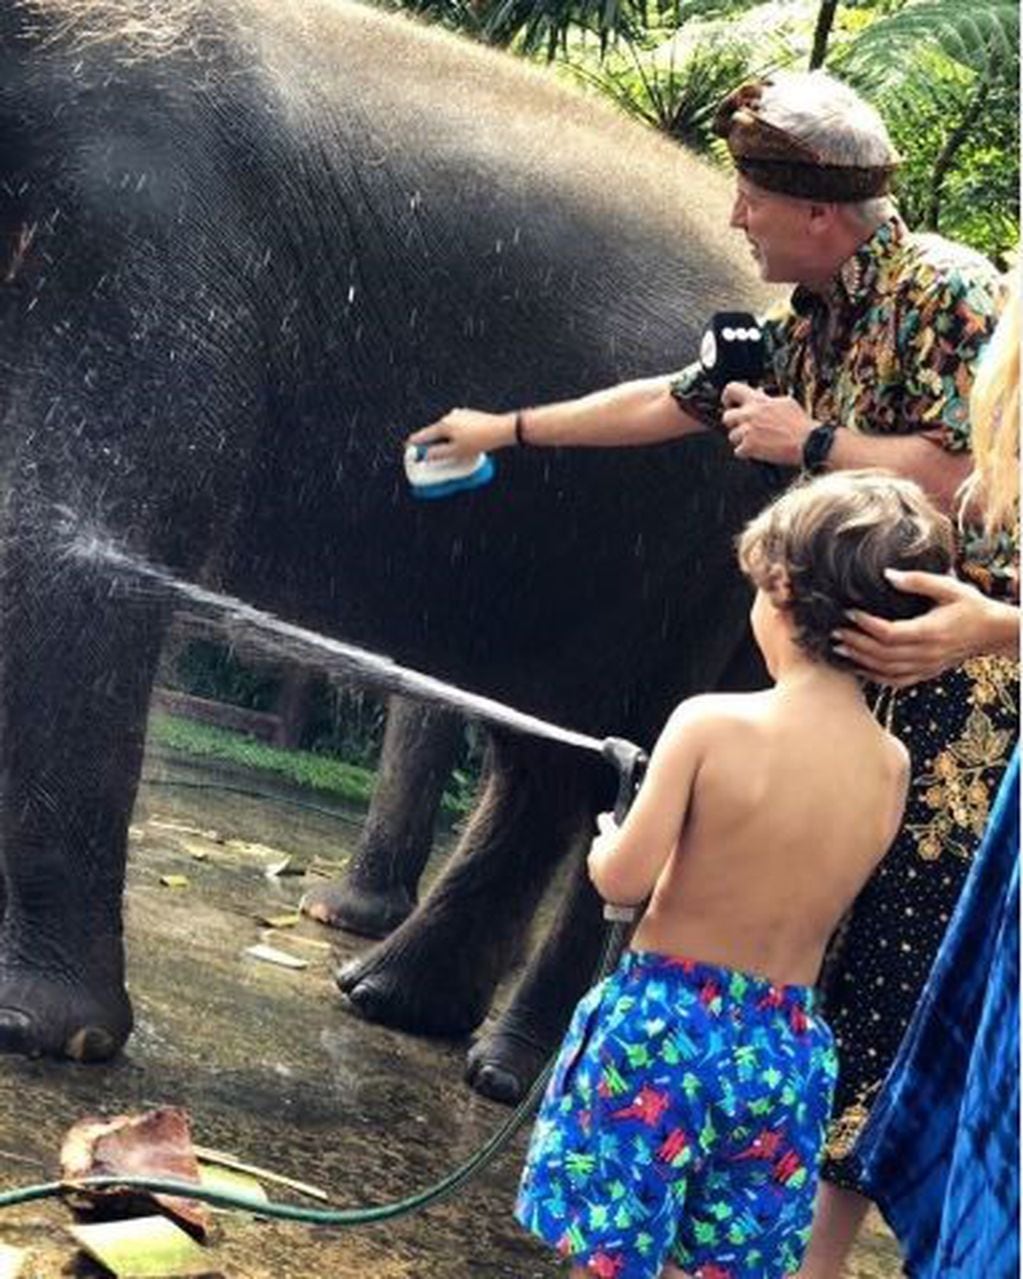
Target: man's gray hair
{"x": 833, "y": 119}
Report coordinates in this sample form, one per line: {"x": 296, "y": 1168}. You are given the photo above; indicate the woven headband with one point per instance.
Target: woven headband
{"x": 777, "y": 161}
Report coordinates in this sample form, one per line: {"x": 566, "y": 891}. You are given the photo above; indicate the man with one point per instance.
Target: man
{"x": 869, "y": 364}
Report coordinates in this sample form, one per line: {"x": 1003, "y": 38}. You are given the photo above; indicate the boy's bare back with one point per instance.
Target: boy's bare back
{"x": 763, "y": 814}
{"x": 796, "y": 794}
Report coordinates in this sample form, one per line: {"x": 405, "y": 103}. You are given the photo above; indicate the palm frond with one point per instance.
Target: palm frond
{"x": 974, "y": 35}
{"x": 543, "y": 26}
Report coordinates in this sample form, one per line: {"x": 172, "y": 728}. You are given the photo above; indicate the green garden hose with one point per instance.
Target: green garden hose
{"x": 614, "y": 940}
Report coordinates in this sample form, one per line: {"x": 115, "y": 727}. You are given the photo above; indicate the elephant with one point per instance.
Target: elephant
{"x": 247, "y": 246}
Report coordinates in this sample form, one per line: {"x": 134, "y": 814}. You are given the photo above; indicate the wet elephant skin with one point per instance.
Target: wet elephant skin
{"x": 246, "y": 247}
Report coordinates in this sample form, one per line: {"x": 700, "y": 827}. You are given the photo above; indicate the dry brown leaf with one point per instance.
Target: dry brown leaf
{"x": 155, "y": 1144}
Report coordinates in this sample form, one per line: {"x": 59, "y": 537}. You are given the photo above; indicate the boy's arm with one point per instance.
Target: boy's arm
{"x": 625, "y": 862}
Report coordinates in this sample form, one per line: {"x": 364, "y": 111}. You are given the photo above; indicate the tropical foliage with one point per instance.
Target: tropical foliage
{"x": 350, "y": 783}
{"x": 944, "y": 73}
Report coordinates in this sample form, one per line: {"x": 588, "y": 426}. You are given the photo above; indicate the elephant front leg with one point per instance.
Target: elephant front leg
{"x": 76, "y": 670}
{"x": 437, "y": 973}
{"x": 380, "y": 890}
{"x": 508, "y": 1056}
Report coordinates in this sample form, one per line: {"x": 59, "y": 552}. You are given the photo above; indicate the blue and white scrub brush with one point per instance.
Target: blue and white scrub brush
{"x": 430, "y": 478}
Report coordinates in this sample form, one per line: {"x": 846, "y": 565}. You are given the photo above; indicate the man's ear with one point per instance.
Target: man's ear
{"x": 822, "y": 216}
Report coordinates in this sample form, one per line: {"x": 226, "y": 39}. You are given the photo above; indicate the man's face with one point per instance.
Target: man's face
{"x": 777, "y": 230}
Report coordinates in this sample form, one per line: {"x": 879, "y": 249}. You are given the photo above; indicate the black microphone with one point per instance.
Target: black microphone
{"x": 732, "y": 349}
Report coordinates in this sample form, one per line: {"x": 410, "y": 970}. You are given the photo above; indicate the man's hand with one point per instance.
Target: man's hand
{"x": 762, "y": 427}
{"x": 962, "y": 623}
{"x": 459, "y": 435}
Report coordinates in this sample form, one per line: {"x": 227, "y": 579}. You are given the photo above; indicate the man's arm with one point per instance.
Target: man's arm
{"x": 917, "y": 457}
{"x": 625, "y": 863}
{"x": 943, "y": 330}
{"x": 774, "y": 429}
{"x": 640, "y": 412}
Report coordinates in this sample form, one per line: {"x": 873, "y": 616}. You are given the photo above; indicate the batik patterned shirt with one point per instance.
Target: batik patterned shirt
{"x": 890, "y": 348}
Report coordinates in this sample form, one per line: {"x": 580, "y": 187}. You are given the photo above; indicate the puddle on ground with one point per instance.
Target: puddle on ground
{"x": 271, "y": 1067}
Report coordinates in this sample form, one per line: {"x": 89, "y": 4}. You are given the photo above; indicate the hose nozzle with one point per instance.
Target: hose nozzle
{"x": 630, "y": 761}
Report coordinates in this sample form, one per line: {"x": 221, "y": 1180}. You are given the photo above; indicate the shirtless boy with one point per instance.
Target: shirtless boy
{"x": 682, "y": 1128}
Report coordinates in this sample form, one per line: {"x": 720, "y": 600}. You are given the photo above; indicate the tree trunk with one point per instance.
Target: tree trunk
{"x": 947, "y": 154}
{"x": 292, "y": 705}
{"x": 825, "y": 21}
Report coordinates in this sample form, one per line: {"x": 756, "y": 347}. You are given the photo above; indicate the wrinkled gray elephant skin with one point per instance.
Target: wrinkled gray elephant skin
{"x": 246, "y": 246}
{"x": 380, "y": 886}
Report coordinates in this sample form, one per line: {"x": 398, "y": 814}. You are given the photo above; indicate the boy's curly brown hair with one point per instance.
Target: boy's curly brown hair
{"x": 822, "y": 547}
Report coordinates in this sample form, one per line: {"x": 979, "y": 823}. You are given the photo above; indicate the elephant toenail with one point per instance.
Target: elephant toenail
{"x": 347, "y": 976}
{"x": 91, "y": 1043}
{"x": 16, "y": 1033}
{"x": 497, "y": 1084}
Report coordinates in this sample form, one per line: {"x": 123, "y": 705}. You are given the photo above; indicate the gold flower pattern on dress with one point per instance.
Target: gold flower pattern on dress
{"x": 844, "y": 1129}
{"x": 954, "y": 790}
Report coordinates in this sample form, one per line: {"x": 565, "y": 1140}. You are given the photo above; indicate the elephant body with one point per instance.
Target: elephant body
{"x": 248, "y": 245}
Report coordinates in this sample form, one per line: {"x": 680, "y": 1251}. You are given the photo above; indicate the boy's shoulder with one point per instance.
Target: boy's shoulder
{"x": 718, "y": 708}
{"x": 724, "y": 703}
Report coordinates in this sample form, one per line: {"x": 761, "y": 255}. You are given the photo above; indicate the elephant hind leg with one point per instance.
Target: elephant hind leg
{"x": 437, "y": 973}
{"x": 507, "y": 1057}
{"x": 380, "y": 890}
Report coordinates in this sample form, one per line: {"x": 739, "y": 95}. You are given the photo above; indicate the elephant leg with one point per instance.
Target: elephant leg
{"x": 437, "y": 973}
{"x": 76, "y": 667}
{"x": 380, "y": 890}
{"x": 507, "y": 1057}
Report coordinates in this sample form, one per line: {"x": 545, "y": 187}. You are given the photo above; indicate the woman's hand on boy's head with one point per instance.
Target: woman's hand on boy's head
{"x": 920, "y": 648}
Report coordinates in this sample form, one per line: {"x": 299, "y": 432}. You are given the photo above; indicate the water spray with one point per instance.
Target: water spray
{"x": 242, "y": 621}
{"x": 335, "y": 657}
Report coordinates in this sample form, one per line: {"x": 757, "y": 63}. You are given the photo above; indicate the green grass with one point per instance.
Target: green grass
{"x": 350, "y": 783}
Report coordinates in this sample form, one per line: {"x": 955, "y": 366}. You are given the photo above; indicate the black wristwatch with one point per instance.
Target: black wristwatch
{"x": 816, "y": 448}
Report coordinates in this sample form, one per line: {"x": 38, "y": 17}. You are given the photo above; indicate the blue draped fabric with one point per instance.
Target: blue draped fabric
{"x": 940, "y": 1153}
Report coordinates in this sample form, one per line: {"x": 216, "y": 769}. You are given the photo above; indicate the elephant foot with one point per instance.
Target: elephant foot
{"x": 502, "y": 1064}
{"x": 405, "y": 993}
{"x": 366, "y": 912}
{"x": 42, "y": 1016}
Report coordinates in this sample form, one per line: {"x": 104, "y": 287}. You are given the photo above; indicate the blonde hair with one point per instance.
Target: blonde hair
{"x": 822, "y": 548}
{"x": 992, "y": 488}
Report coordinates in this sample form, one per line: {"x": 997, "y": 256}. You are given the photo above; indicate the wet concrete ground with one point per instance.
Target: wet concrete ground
{"x": 272, "y": 1068}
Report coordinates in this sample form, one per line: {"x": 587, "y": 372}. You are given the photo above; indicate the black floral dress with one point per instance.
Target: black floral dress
{"x": 891, "y": 349}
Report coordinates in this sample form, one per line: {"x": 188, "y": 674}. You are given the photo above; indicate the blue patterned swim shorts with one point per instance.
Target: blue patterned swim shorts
{"x": 684, "y": 1122}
